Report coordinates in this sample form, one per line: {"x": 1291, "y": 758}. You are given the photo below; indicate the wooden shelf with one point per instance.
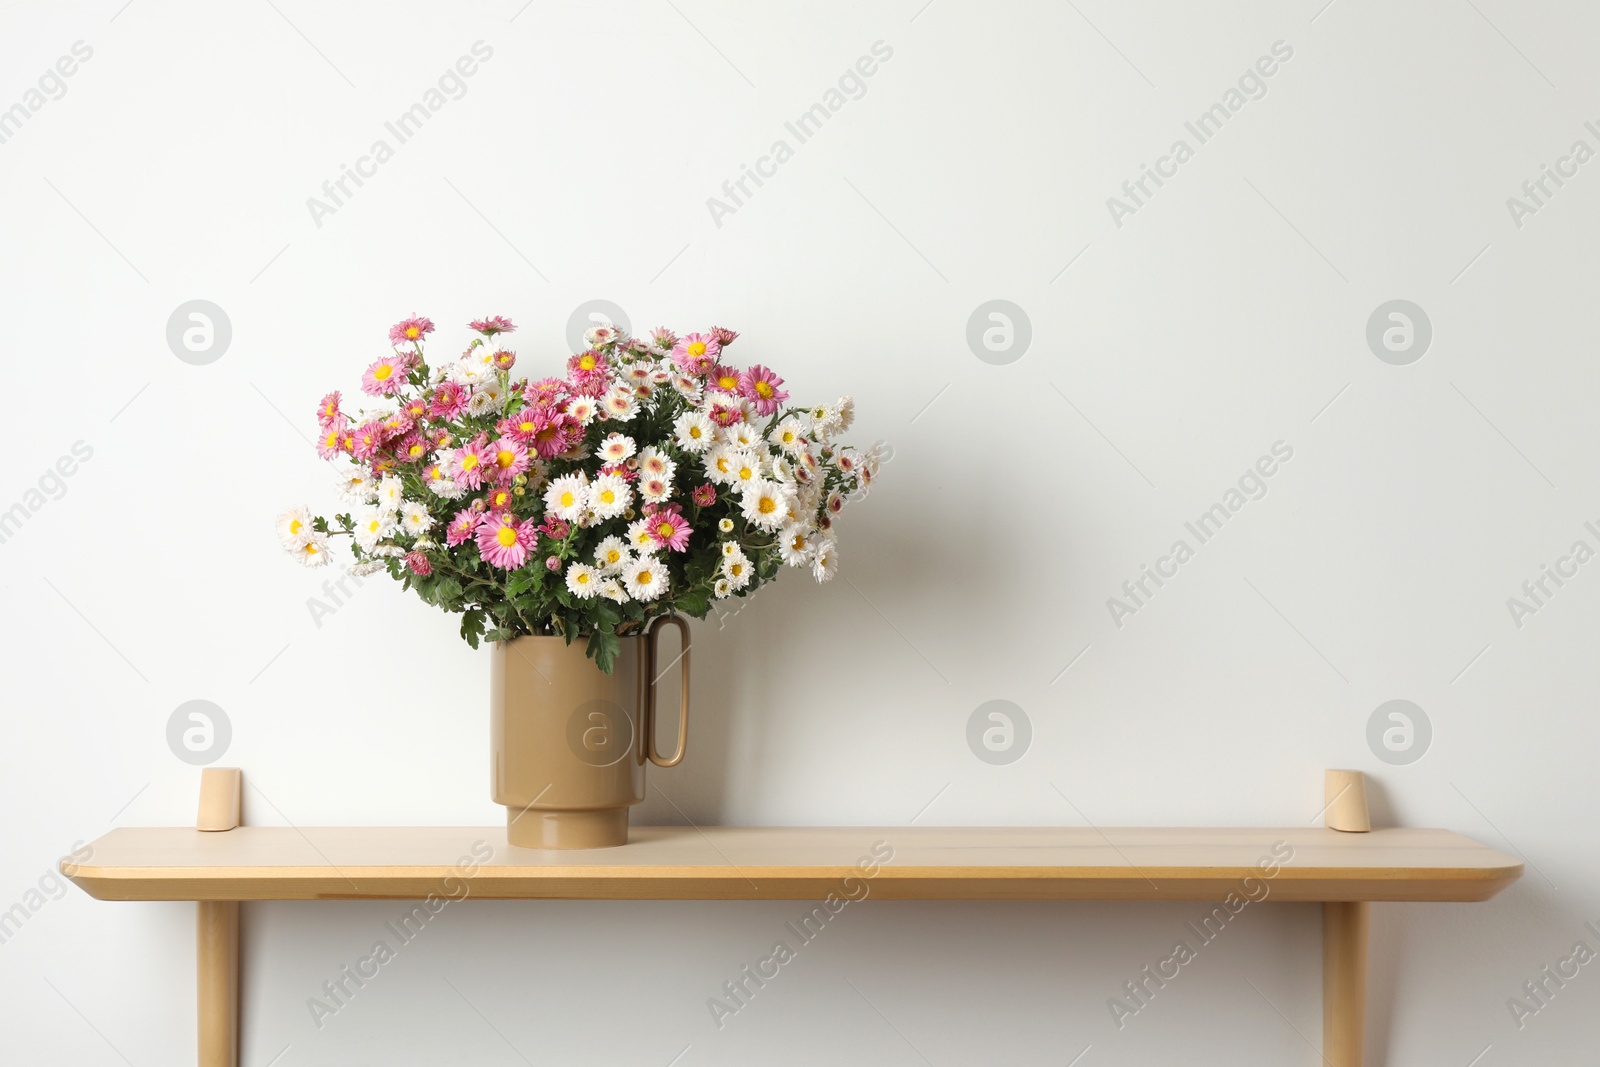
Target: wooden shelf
{"x": 1344, "y": 865}
{"x": 727, "y": 863}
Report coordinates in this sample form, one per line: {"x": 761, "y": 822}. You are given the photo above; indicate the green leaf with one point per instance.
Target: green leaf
{"x": 499, "y": 633}
{"x": 521, "y": 582}
{"x": 603, "y": 648}
{"x": 696, "y": 602}
{"x": 472, "y": 626}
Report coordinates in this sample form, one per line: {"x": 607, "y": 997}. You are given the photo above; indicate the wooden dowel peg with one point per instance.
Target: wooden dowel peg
{"x": 1345, "y": 794}
{"x": 219, "y": 799}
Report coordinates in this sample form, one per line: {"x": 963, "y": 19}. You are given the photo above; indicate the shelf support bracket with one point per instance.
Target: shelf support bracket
{"x": 1344, "y": 935}
{"x": 217, "y": 933}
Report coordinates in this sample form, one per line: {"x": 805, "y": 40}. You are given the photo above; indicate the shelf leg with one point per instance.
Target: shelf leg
{"x": 217, "y": 982}
{"x": 217, "y": 933}
{"x": 1344, "y": 982}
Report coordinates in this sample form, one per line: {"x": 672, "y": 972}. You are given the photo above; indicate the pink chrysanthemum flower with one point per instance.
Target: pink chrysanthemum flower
{"x": 724, "y": 337}
{"x": 463, "y": 526}
{"x": 588, "y": 383}
{"x": 367, "y": 439}
{"x": 662, "y": 340}
{"x": 331, "y": 441}
{"x": 473, "y": 463}
{"x": 503, "y": 541}
{"x": 552, "y": 563}
{"x": 505, "y": 359}
{"x": 449, "y": 400}
{"x": 417, "y": 407}
{"x": 555, "y": 435}
{"x": 418, "y": 563}
{"x": 696, "y": 353}
{"x": 669, "y": 529}
{"x": 386, "y": 377}
{"x": 507, "y": 459}
{"x": 723, "y": 377}
{"x": 500, "y": 498}
{"x": 763, "y": 389}
{"x": 587, "y": 362}
{"x": 726, "y": 411}
{"x": 412, "y": 448}
{"x": 555, "y": 527}
{"x": 520, "y": 426}
{"x": 492, "y": 325}
{"x": 544, "y": 391}
{"x": 410, "y": 331}
{"x": 704, "y": 495}
{"x": 397, "y": 425}
{"x": 328, "y": 409}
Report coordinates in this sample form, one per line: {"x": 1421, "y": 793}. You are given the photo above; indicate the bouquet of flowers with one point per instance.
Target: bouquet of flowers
{"x": 654, "y": 477}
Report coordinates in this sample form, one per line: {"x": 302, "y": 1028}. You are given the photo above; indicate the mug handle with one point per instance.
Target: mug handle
{"x": 683, "y": 693}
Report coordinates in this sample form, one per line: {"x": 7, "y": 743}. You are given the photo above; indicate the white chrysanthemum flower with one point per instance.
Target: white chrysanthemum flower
{"x": 373, "y": 524}
{"x": 313, "y": 552}
{"x": 294, "y": 528}
{"x": 609, "y": 496}
{"x": 391, "y": 493}
{"x": 687, "y": 387}
{"x": 438, "y": 373}
{"x": 414, "y": 518}
{"x": 357, "y": 486}
{"x": 583, "y": 580}
{"x": 737, "y": 569}
{"x": 782, "y": 471}
{"x": 366, "y": 567}
{"x": 722, "y": 588}
{"x": 743, "y": 435}
{"x": 835, "y": 502}
{"x": 725, "y": 524}
{"x": 719, "y": 465}
{"x": 488, "y": 398}
{"x": 538, "y": 473}
{"x": 606, "y": 333}
{"x": 615, "y": 448}
{"x": 745, "y": 467}
{"x": 567, "y": 496}
{"x": 654, "y": 462}
{"x": 645, "y": 578}
{"x": 389, "y": 550}
{"x": 654, "y": 489}
{"x": 611, "y": 554}
{"x": 796, "y": 544}
{"x": 612, "y": 589}
{"x": 731, "y": 548}
{"x": 640, "y": 540}
{"x": 469, "y": 371}
{"x": 845, "y": 408}
{"x": 789, "y": 435}
{"x": 694, "y": 432}
{"x": 825, "y": 560}
{"x": 660, "y": 373}
{"x": 583, "y": 408}
{"x": 619, "y": 403}
{"x": 766, "y": 504}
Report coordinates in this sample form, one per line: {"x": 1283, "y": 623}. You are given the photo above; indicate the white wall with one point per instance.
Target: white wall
{"x": 1226, "y": 314}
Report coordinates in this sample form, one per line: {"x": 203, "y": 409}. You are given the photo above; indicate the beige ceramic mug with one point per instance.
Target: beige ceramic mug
{"x": 569, "y": 742}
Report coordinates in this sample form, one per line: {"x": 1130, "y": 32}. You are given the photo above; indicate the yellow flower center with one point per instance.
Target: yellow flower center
{"x": 736, "y": 569}
{"x": 412, "y": 333}
{"x": 295, "y": 526}
{"x": 586, "y": 362}
{"x": 525, "y": 426}
{"x": 383, "y": 373}
{"x": 469, "y": 461}
{"x": 504, "y": 458}
{"x": 613, "y": 556}
{"x": 608, "y": 496}
{"x": 665, "y": 529}
{"x": 764, "y": 390}
{"x": 797, "y": 543}
{"x": 767, "y": 505}
{"x": 694, "y": 432}
{"x": 745, "y": 474}
{"x": 728, "y": 382}
{"x": 506, "y": 536}
{"x": 567, "y": 499}
{"x": 645, "y": 578}
{"x": 582, "y": 578}
{"x": 696, "y": 348}
{"x": 418, "y": 448}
